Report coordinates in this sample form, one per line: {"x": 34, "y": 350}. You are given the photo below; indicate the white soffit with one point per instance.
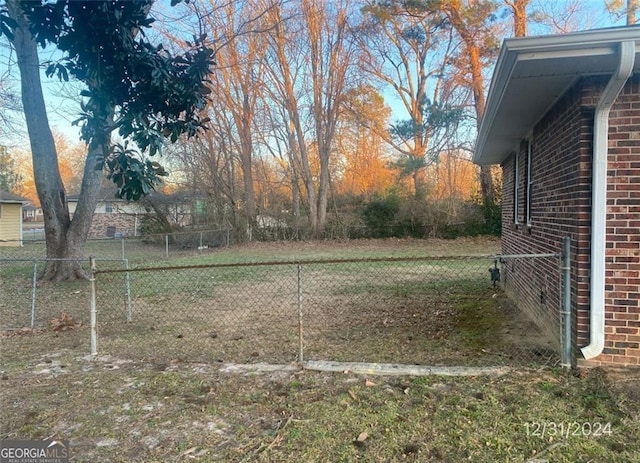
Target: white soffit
{"x": 532, "y": 73}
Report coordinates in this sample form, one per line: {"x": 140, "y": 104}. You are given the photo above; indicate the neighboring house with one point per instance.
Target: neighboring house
{"x": 11, "y": 219}
{"x": 32, "y": 213}
{"x": 113, "y": 216}
{"x": 563, "y": 120}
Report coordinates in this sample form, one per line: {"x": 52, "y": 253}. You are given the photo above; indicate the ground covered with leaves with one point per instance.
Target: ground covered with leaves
{"x": 114, "y": 410}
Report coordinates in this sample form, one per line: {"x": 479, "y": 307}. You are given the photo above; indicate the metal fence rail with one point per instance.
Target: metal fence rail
{"x": 159, "y": 245}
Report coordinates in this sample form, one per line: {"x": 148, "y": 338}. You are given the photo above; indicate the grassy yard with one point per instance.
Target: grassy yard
{"x": 166, "y": 386}
{"x": 120, "y": 411}
{"x": 138, "y": 252}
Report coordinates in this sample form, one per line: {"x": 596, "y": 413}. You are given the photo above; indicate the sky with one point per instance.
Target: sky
{"x": 63, "y": 109}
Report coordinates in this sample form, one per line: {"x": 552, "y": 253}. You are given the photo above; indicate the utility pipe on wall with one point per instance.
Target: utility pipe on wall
{"x": 599, "y": 197}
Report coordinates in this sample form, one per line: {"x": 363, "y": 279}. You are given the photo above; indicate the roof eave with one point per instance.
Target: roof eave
{"x": 542, "y": 49}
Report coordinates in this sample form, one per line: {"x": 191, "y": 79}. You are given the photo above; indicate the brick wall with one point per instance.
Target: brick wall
{"x": 561, "y": 146}
{"x": 622, "y": 285}
{"x": 557, "y": 195}
{"x": 123, "y": 223}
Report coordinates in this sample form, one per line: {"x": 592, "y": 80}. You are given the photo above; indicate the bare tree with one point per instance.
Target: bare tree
{"x": 211, "y": 176}
{"x": 10, "y": 104}
{"x": 564, "y": 17}
{"x": 332, "y": 53}
{"x": 236, "y": 30}
{"x": 285, "y": 73}
{"x": 311, "y": 57}
{"x": 471, "y": 20}
{"x": 409, "y": 48}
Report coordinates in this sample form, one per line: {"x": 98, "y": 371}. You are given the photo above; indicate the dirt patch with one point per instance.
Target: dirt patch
{"x": 115, "y": 410}
{"x": 526, "y": 339}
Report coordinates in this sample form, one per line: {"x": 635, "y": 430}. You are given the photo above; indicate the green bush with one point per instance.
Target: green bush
{"x": 379, "y": 216}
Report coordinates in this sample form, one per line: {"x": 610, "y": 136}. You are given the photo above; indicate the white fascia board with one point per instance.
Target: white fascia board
{"x": 502, "y": 75}
{"x": 580, "y": 40}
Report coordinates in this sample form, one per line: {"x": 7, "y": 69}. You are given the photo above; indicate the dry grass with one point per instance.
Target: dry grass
{"x": 114, "y": 410}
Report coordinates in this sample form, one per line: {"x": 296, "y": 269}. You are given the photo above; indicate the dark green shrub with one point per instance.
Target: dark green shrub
{"x": 379, "y": 216}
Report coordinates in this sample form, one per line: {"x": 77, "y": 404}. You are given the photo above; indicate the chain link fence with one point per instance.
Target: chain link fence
{"x": 29, "y": 304}
{"x": 159, "y": 245}
{"x": 434, "y": 311}
{"x": 449, "y": 311}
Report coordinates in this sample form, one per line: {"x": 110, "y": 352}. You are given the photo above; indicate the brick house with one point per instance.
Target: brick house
{"x": 563, "y": 121}
{"x": 113, "y": 216}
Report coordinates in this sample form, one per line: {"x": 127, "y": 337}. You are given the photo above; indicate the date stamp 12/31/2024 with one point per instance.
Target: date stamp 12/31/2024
{"x": 567, "y": 429}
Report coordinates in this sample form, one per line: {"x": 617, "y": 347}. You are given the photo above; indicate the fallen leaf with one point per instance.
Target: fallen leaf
{"x": 64, "y": 322}
{"x": 369, "y": 383}
{"x": 353, "y": 395}
{"x": 363, "y": 436}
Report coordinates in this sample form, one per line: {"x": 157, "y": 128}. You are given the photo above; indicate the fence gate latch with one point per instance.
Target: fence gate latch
{"x": 495, "y": 273}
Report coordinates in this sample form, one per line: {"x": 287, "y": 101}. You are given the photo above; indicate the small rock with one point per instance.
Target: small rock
{"x": 107, "y": 443}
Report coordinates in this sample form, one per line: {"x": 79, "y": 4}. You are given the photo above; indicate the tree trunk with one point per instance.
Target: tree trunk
{"x": 323, "y": 193}
{"x": 295, "y": 134}
{"x": 246, "y": 158}
{"x": 519, "y": 8}
{"x": 487, "y": 188}
{"x": 64, "y": 240}
{"x": 455, "y": 13}
{"x": 632, "y": 7}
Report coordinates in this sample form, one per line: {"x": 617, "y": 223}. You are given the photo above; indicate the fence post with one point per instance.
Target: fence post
{"x": 300, "y": 324}
{"x": 94, "y": 332}
{"x": 33, "y": 293}
{"x": 566, "y": 359}
{"x": 122, "y": 247}
{"x": 166, "y": 245}
{"x": 127, "y": 281}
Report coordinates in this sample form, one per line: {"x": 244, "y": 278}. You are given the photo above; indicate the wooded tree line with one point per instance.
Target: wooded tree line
{"x": 302, "y": 126}
{"x": 325, "y": 114}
